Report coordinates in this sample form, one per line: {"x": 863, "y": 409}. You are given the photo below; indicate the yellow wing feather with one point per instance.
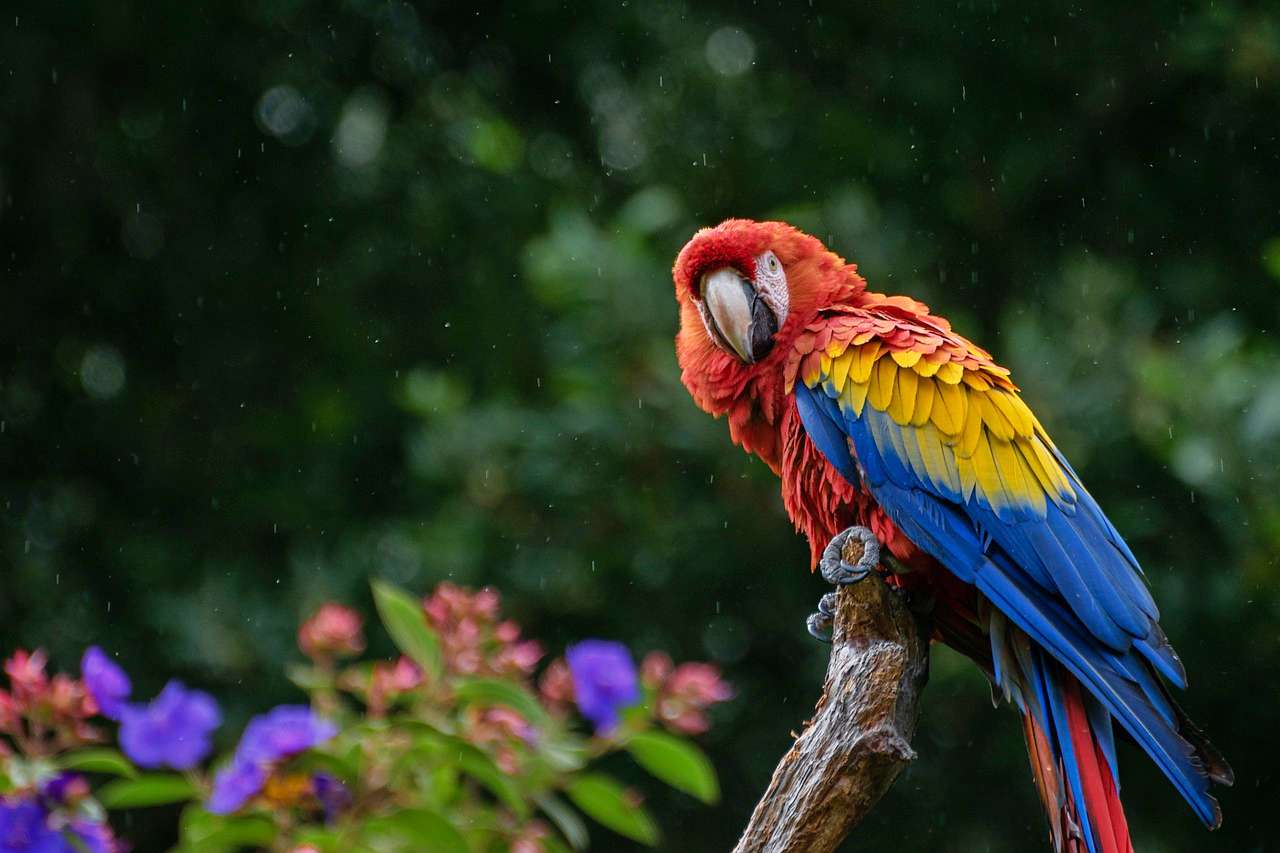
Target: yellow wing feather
{"x": 961, "y": 428}
{"x": 949, "y": 408}
{"x": 903, "y": 406}
{"x": 906, "y": 357}
{"x": 924, "y": 403}
{"x": 882, "y": 376}
{"x": 864, "y": 360}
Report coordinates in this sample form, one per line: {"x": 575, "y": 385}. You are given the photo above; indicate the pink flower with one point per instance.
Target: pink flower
{"x": 556, "y": 685}
{"x": 654, "y": 669}
{"x": 487, "y": 603}
{"x": 518, "y": 657}
{"x": 531, "y": 837}
{"x": 688, "y": 692}
{"x": 501, "y": 730}
{"x": 26, "y": 674}
{"x": 10, "y": 713}
{"x": 389, "y": 680}
{"x": 68, "y": 698}
{"x": 332, "y": 631}
{"x": 447, "y": 603}
{"x": 474, "y": 641}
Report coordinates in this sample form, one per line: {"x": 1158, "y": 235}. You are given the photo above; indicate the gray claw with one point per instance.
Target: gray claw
{"x": 819, "y": 625}
{"x": 833, "y": 567}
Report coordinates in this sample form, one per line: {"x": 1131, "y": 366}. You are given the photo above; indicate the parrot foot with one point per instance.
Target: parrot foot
{"x": 833, "y": 567}
{"x": 836, "y": 570}
{"x": 819, "y": 624}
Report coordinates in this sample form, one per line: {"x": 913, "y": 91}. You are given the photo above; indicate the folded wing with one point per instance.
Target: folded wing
{"x": 950, "y": 451}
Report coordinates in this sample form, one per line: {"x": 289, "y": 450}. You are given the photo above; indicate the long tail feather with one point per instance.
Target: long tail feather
{"x": 1072, "y": 763}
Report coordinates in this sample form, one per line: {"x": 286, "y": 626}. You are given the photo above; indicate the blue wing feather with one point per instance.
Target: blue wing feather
{"x": 1063, "y": 580}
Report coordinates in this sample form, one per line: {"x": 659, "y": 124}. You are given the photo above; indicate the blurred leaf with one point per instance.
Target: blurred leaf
{"x": 492, "y": 691}
{"x": 551, "y": 844}
{"x": 307, "y": 678}
{"x": 566, "y": 820}
{"x": 496, "y": 145}
{"x": 608, "y": 803}
{"x": 406, "y": 623}
{"x": 444, "y": 784}
{"x": 458, "y": 754}
{"x": 325, "y": 840}
{"x": 478, "y": 765}
{"x": 564, "y": 753}
{"x": 416, "y": 830}
{"x": 1271, "y": 257}
{"x": 101, "y": 760}
{"x": 343, "y": 766}
{"x": 206, "y": 832}
{"x": 677, "y": 762}
{"x": 651, "y": 209}
{"x": 151, "y": 790}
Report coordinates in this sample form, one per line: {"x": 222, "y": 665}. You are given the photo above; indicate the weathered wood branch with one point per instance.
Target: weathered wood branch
{"x": 859, "y": 738}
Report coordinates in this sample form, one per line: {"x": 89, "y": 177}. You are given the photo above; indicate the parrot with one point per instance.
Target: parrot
{"x": 876, "y": 416}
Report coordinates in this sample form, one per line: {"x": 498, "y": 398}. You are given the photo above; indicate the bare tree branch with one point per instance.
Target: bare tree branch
{"x": 859, "y": 739}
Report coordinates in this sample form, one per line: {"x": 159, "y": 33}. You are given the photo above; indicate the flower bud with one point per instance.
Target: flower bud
{"x": 332, "y": 631}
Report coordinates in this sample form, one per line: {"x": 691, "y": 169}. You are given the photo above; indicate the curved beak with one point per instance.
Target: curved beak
{"x": 739, "y": 317}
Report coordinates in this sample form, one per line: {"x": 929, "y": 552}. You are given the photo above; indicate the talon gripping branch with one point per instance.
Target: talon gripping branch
{"x": 874, "y": 412}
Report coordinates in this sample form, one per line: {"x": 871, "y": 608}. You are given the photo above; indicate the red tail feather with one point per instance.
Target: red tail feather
{"x": 1100, "y": 796}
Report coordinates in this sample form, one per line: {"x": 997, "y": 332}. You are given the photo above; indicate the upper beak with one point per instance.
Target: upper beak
{"x": 739, "y": 316}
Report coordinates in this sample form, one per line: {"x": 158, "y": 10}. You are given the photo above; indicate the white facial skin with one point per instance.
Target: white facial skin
{"x": 741, "y": 317}
{"x": 771, "y": 283}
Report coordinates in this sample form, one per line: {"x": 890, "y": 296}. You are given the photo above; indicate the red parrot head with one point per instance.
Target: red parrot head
{"x": 746, "y": 289}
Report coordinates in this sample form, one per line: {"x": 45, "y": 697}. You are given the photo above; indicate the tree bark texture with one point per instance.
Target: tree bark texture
{"x": 859, "y": 738}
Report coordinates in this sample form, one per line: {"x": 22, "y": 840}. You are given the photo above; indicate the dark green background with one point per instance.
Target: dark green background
{"x": 299, "y": 293}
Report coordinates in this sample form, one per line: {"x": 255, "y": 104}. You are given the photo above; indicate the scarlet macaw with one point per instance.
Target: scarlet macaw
{"x": 875, "y": 413}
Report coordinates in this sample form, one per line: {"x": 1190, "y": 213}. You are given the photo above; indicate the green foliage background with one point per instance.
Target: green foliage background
{"x": 296, "y": 293}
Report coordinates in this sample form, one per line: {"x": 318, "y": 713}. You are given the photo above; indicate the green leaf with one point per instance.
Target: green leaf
{"x": 321, "y": 838}
{"x": 210, "y": 833}
{"x": 492, "y": 691}
{"x": 308, "y": 678}
{"x": 98, "y": 761}
{"x": 340, "y": 766}
{"x": 606, "y": 801}
{"x": 457, "y": 754}
{"x": 407, "y": 624}
{"x": 677, "y": 762}
{"x": 157, "y": 789}
{"x": 479, "y": 766}
{"x": 417, "y": 830}
{"x": 563, "y": 753}
{"x": 566, "y": 820}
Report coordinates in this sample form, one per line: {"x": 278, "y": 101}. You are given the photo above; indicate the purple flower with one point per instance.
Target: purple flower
{"x": 334, "y": 796}
{"x": 24, "y": 828}
{"x": 64, "y": 788}
{"x": 281, "y": 733}
{"x": 94, "y": 836}
{"x": 234, "y": 785}
{"x": 173, "y": 730}
{"x": 604, "y": 681}
{"x": 106, "y": 682}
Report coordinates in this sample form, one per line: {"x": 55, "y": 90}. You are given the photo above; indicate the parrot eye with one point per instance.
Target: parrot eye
{"x": 772, "y": 261}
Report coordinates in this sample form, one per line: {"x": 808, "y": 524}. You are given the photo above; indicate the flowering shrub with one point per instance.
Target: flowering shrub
{"x": 452, "y": 746}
